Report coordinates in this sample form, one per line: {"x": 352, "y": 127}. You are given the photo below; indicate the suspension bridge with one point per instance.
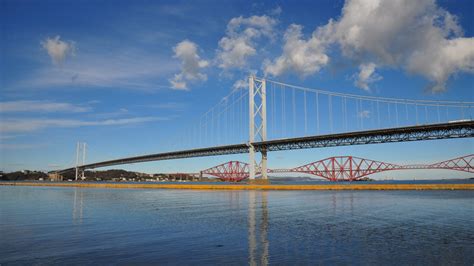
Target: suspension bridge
{"x": 270, "y": 116}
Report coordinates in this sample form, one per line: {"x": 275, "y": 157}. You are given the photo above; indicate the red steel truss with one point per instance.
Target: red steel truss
{"x": 233, "y": 171}
{"x": 345, "y": 168}
{"x": 465, "y": 164}
{"x": 340, "y": 168}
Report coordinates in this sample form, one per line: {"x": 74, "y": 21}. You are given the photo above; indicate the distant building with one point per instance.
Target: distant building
{"x": 55, "y": 177}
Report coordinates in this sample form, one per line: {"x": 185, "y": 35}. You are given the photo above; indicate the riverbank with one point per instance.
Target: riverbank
{"x": 352, "y": 186}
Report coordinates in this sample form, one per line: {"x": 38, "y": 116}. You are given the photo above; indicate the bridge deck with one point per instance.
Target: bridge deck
{"x": 463, "y": 129}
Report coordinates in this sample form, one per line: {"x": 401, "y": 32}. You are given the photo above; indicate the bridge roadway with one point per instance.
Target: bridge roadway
{"x": 460, "y": 129}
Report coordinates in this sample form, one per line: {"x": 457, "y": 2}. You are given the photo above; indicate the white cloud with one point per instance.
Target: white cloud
{"x": 302, "y": 57}
{"x": 366, "y": 76}
{"x": 252, "y": 25}
{"x": 191, "y": 65}
{"x": 29, "y": 125}
{"x": 439, "y": 62}
{"x": 177, "y": 83}
{"x": 233, "y": 52}
{"x": 416, "y": 36}
{"x": 240, "y": 84}
{"x": 58, "y": 49}
{"x": 41, "y": 106}
{"x": 239, "y": 43}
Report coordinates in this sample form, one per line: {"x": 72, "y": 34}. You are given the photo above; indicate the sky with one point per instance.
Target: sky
{"x": 129, "y": 77}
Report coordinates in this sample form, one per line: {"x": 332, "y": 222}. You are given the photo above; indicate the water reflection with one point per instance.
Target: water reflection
{"x": 132, "y": 226}
{"x": 258, "y": 213}
{"x": 78, "y": 206}
{"x": 339, "y": 201}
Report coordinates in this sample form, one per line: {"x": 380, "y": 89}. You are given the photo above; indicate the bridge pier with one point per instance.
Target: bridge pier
{"x": 80, "y": 173}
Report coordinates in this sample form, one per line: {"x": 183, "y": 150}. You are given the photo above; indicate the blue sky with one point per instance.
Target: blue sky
{"x": 129, "y": 77}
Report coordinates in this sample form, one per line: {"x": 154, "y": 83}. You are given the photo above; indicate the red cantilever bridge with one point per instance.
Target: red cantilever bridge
{"x": 339, "y": 168}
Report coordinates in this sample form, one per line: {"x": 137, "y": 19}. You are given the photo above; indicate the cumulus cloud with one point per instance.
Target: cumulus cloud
{"x": 29, "y": 125}
{"x": 191, "y": 65}
{"x": 41, "y": 106}
{"x": 239, "y": 43}
{"x": 439, "y": 62}
{"x": 416, "y": 36}
{"x": 58, "y": 49}
{"x": 366, "y": 76}
{"x": 302, "y": 57}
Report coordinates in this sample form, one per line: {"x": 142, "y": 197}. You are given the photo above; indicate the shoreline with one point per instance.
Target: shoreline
{"x": 251, "y": 186}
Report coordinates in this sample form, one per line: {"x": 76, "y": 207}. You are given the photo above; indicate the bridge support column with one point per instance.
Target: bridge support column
{"x": 264, "y": 164}
{"x": 257, "y": 125}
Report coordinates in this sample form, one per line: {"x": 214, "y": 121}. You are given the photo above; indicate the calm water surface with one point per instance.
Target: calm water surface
{"x": 47, "y": 225}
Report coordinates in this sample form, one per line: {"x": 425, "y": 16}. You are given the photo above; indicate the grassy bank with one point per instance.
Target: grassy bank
{"x": 251, "y": 186}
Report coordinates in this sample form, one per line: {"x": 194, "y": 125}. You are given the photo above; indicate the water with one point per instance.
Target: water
{"x": 47, "y": 225}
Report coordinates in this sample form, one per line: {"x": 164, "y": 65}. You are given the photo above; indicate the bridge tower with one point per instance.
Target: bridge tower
{"x": 80, "y": 147}
{"x": 257, "y": 125}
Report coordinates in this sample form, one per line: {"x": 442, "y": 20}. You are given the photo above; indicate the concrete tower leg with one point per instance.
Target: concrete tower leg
{"x": 257, "y": 127}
